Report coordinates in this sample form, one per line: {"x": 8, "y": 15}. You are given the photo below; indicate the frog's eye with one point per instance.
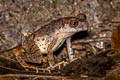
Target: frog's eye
{"x": 73, "y": 23}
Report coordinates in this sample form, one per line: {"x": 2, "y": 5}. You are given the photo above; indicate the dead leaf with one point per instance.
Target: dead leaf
{"x": 115, "y": 39}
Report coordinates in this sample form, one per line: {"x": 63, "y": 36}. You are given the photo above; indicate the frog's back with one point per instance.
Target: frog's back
{"x": 49, "y": 28}
{"x": 44, "y": 31}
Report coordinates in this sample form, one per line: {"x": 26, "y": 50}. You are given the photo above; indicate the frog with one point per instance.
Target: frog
{"x": 49, "y": 38}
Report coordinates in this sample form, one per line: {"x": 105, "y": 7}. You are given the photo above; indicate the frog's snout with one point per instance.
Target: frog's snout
{"x": 83, "y": 25}
{"x": 86, "y": 25}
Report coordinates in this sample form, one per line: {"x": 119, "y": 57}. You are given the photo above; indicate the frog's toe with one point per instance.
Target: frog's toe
{"x": 37, "y": 70}
{"x": 43, "y": 70}
{"x": 59, "y": 65}
{"x": 26, "y": 69}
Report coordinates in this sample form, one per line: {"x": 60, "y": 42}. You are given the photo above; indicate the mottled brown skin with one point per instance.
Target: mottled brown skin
{"x": 49, "y": 38}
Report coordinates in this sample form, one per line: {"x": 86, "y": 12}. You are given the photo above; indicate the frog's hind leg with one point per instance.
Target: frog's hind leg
{"x": 35, "y": 55}
{"x": 21, "y": 60}
{"x": 24, "y": 64}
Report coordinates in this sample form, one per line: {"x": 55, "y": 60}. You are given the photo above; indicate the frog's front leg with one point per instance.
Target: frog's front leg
{"x": 54, "y": 43}
{"x": 69, "y": 49}
{"x": 50, "y": 55}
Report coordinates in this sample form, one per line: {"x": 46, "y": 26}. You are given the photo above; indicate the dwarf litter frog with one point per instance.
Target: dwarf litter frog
{"x": 49, "y": 38}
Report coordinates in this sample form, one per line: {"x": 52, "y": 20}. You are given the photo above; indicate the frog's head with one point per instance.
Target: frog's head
{"x": 76, "y": 24}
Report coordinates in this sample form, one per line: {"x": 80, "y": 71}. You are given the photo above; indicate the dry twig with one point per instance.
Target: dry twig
{"x": 92, "y": 40}
{"x": 32, "y": 76}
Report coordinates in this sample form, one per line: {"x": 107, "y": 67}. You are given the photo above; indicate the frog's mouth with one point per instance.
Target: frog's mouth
{"x": 77, "y": 30}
